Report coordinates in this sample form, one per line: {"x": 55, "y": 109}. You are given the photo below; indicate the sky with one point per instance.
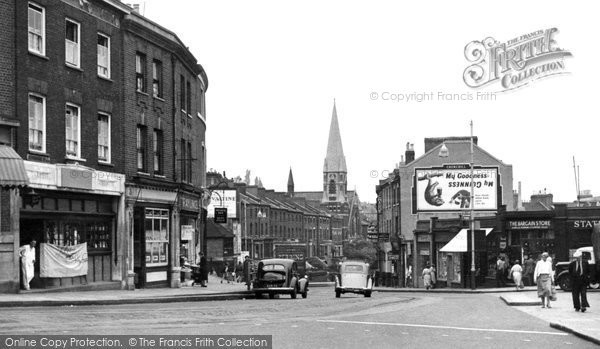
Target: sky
{"x": 275, "y": 67}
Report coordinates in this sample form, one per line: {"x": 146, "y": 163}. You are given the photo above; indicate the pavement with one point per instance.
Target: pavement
{"x": 561, "y": 316}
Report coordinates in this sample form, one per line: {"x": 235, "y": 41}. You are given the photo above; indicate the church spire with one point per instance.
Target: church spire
{"x": 334, "y": 159}
{"x": 290, "y": 184}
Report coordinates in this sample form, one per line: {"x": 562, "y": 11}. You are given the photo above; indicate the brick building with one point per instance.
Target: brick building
{"x": 165, "y": 161}
{"x": 78, "y": 80}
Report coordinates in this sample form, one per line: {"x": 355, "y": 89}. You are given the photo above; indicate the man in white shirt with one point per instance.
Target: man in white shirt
{"x": 27, "y": 254}
{"x": 544, "y": 277}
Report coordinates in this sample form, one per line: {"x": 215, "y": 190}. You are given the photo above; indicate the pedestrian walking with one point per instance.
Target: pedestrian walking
{"x": 409, "y": 276}
{"x": 239, "y": 271}
{"x": 579, "y": 270}
{"x": 203, "y": 270}
{"x": 27, "y": 254}
{"x": 433, "y": 279}
{"x": 500, "y": 272}
{"x": 516, "y": 273}
{"x": 427, "y": 277}
{"x": 247, "y": 272}
{"x": 528, "y": 269}
{"x": 226, "y": 273}
{"x": 544, "y": 277}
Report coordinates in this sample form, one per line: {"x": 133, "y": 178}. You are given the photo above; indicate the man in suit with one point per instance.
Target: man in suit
{"x": 579, "y": 269}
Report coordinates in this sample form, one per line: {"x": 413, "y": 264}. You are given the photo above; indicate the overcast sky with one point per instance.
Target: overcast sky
{"x": 274, "y": 68}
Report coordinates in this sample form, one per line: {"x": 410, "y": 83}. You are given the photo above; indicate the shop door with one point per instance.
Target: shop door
{"x": 449, "y": 270}
{"x": 139, "y": 248}
{"x": 32, "y": 229}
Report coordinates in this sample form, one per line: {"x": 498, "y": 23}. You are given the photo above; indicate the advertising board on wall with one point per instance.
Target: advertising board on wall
{"x": 223, "y": 199}
{"x": 448, "y": 188}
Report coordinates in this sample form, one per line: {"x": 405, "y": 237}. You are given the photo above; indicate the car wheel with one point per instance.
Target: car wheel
{"x": 271, "y": 295}
{"x": 338, "y": 294}
{"x": 368, "y": 294}
{"x": 594, "y": 285}
{"x": 565, "y": 283}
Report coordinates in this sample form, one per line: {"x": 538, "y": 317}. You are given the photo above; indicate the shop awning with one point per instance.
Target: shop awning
{"x": 12, "y": 168}
{"x": 216, "y": 231}
{"x": 459, "y": 242}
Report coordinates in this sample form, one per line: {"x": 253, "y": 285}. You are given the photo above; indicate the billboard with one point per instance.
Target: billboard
{"x": 448, "y": 188}
{"x": 223, "y": 199}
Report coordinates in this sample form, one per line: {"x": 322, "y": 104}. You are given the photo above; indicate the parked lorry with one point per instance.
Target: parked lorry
{"x": 563, "y": 279}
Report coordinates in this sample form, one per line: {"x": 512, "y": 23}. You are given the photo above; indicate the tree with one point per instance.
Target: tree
{"x": 362, "y": 250}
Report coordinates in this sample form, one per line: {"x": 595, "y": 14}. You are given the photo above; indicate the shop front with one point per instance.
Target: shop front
{"x": 189, "y": 226}
{"x": 73, "y": 210}
{"x": 528, "y": 236}
{"x": 153, "y": 239}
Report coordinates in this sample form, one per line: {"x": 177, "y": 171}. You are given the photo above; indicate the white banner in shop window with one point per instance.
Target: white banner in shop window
{"x": 63, "y": 261}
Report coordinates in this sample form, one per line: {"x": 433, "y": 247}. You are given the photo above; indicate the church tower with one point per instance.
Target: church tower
{"x": 290, "y": 184}
{"x": 334, "y": 168}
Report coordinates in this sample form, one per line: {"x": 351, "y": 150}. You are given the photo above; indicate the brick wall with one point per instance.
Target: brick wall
{"x": 7, "y": 59}
{"x": 52, "y": 78}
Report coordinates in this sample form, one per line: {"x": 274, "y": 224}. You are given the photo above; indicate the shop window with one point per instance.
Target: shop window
{"x": 98, "y": 235}
{"x": 49, "y": 204}
{"x": 157, "y": 237}
{"x": 91, "y": 206}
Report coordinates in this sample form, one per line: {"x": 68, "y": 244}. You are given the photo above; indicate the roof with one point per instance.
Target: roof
{"x": 278, "y": 261}
{"x": 12, "y": 168}
{"x": 217, "y": 231}
{"x": 458, "y": 153}
{"x": 334, "y": 159}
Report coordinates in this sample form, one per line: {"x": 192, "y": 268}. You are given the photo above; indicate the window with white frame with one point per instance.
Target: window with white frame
{"x": 72, "y": 131}
{"x": 104, "y": 138}
{"x": 37, "y": 123}
{"x": 36, "y": 27}
{"x": 103, "y": 55}
{"x": 72, "y": 43}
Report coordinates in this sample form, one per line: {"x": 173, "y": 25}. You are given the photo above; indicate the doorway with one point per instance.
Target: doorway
{"x": 32, "y": 229}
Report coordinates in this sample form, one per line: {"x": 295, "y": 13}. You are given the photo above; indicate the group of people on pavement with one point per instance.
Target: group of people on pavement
{"x": 542, "y": 274}
{"x": 240, "y": 273}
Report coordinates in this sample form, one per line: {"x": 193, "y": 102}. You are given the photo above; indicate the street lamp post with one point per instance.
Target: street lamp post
{"x": 472, "y": 207}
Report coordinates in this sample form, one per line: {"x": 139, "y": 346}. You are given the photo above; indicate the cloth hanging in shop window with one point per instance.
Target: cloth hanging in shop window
{"x": 63, "y": 261}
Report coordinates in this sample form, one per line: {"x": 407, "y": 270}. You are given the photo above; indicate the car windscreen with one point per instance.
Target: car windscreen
{"x": 273, "y": 267}
{"x": 353, "y": 268}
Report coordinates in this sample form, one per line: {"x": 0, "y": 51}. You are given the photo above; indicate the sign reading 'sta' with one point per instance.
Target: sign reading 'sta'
{"x": 514, "y": 63}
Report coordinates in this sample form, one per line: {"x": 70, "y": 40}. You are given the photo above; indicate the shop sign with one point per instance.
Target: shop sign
{"x": 223, "y": 199}
{"x": 423, "y": 238}
{"x": 189, "y": 203}
{"x": 529, "y": 224}
{"x": 75, "y": 177}
{"x": 449, "y": 189}
{"x": 187, "y": 232}
{"x": 108, "y": 182}
{"x": 393, "y": 257}
{"x": 585, "y": 223}
{"x": 220, "y": 214}
{"x": 41, "y": 174}
{"x": 424, "y": 252}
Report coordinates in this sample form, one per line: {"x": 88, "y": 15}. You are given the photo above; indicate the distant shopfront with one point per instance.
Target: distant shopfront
{"x": 153, "y": 237}
{"x": 73, "y": 206}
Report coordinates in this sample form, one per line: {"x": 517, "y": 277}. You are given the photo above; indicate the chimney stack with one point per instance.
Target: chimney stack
{"x": 410, "y": 153}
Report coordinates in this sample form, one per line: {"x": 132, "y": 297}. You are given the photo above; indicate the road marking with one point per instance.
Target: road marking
{"x": 442, "y": 327}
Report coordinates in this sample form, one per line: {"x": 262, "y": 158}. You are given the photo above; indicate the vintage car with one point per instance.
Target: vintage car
{"x": 279, "y": 276}
{"x": 563, "y": 279}
{"x": 354, "y": 277}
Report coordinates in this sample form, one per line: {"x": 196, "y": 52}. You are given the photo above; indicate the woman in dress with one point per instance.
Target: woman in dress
{"x": 544, "y": 277}
{"x": 517, "y": 274}
{"x": 427, "y": 277}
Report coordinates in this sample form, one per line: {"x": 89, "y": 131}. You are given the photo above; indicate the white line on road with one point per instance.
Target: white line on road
{"x": 442, "y": 327}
